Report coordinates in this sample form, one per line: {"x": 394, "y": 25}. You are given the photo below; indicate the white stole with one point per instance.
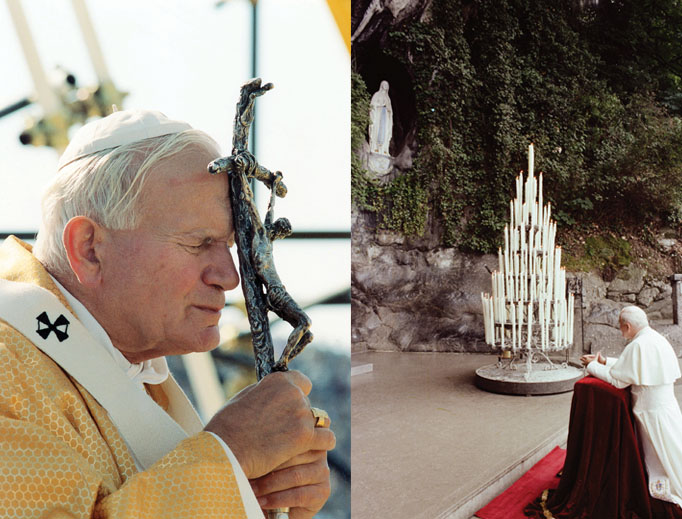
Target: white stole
{"x": 147, "y": 429}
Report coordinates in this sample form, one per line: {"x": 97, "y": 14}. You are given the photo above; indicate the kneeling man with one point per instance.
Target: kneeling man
{"x": 649, "y": 365}
{"x": 131, "y": 263}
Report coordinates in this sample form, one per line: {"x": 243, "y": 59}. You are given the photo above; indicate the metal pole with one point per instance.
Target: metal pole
{"x": 15, "y": 106}
{"x": 91, "y": 43}
{"x": 44, "y": 93}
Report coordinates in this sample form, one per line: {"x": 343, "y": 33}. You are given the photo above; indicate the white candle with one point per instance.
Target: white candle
{"x": 531, "y": 159}
{"x": 502, "y": 331}
{"x": 541, "y": 322}
{"x": 550, "y": 274}
{"x": 556, "y": 325}
{"x": 545, "y": 235}
{"x": 492, "y": 323}
{"x": 513, "y": 325}
{"x": 501, "y": 293}
{"x": 519, "y": 198}
{"x": 548, "y": 304}
{"x": 564, "y": 322}
{"x": 519, "y": 322}
{"x": 557, "y": 265}
{"x": 485, "y": 318}
{"x": 571, "y": 314}
{"x": 507, "y": 274}
{"x": 530, "y": 325}
{"x": 562, "y": 294}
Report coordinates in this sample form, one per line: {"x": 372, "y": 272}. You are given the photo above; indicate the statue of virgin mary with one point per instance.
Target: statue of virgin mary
{"x": 380, "y": 121}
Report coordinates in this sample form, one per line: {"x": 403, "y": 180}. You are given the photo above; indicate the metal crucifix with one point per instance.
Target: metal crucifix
{"x": 262, "y": 287}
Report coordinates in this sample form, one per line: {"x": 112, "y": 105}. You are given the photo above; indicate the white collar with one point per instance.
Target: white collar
{"x": 154, "y": 371}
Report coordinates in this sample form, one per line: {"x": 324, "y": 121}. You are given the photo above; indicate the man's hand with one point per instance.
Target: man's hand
{"x": 270, "y": 423}
{"x": 302, "y": 484}
{"x": 586, "y": 359}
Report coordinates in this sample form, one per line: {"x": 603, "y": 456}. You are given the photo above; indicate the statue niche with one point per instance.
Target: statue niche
{"x": 380, "y": 131}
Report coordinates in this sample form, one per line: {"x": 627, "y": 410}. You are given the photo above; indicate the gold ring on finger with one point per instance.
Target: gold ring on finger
{"x": 321, "y": 417}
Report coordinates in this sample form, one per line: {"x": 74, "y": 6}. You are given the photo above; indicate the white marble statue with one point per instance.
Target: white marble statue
{"x": 380, "y": 121}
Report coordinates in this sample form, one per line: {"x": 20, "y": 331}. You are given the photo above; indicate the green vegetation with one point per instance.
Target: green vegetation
{"x": 606, "y": 253}
{"x": 598, "y": 91}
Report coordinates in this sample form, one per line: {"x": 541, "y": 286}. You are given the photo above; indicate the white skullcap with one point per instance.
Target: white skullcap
{"x": 118, "y": 129}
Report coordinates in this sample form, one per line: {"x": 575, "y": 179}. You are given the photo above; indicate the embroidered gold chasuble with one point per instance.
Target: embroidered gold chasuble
{"x": 60, "y": 454}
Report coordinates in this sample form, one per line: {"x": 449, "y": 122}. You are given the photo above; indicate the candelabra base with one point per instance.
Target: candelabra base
{"x": 541, "y": 380}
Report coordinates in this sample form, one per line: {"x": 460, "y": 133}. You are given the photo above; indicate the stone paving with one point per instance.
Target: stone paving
{"x": 428, "y": 444}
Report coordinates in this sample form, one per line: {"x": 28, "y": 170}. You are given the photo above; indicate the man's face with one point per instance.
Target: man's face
{"x": 626, "y": 329}
{"x": 163, "y": 283}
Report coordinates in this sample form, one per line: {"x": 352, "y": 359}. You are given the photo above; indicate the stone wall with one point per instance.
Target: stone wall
{"x": 414, "y": 296}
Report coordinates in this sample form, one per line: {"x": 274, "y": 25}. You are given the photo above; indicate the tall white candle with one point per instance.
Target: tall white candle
{"x": 564, "y": 322}
{"x": 571, "y": 317}
{"x": 502, "y": 295}
{"x": 502, "y": 331}
{"x": 506, "y": 238}
{"x": 519, "y": 322}
{"x": 556, "y": 325}
{"x": 530, "y": 325}
{"x": 512, "y": 314}
{"x": 557, "y": 267}
{"x": 485, "y": 318}
{"x": 519, "y": 198}
{"x": 531, "y": 159}
{"x": 541, "y": 322}
{"x": 491, "y": 321}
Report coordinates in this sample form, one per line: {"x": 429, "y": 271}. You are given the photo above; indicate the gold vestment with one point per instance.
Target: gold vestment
{"x": 60, "y": 454}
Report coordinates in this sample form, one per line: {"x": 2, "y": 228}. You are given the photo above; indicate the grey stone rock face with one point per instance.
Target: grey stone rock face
{"x": 647, "y": 296}
{"x": 606, "y": 339}
{"x": 410, "y": 299}
{"x": 594, "y": 287}
{"x": 630, "y": 280}
{"x": 604, "y": 313}
{"x": 372, "y": 18}
{"x": 664, "y": 293}
{"x": 415, "y": 296}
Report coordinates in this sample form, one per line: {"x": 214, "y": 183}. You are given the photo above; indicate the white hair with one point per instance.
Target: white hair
{"x": 105, "y": 186}
{"x": 635, "y": 316}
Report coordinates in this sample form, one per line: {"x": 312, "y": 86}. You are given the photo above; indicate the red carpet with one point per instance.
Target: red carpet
{"x": 510, "y": 504}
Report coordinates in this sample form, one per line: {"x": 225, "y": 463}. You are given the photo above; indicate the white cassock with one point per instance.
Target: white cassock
{"x": 650, "y": 366}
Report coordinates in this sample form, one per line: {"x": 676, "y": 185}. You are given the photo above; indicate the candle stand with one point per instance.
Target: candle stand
{"x": 529, "y": 312}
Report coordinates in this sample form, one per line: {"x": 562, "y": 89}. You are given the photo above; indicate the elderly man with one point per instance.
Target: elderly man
{"x": 131, "y": 264}
{"x": 649, "y": 365}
